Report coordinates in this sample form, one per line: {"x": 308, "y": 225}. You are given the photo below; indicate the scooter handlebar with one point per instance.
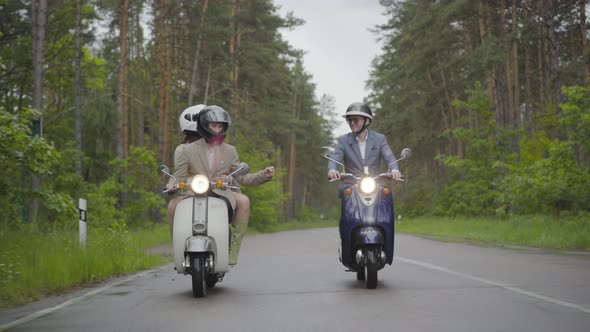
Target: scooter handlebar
{"x": 345, "y": 176}
{"x": 349, "y": 175}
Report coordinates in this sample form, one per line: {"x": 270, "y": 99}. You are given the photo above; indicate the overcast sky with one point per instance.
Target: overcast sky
{"x": 339, "y": 46}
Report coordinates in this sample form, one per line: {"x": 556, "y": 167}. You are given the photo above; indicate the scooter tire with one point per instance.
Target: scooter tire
{"x": 199, "y": 275}
{"x": 371, "y": 270}
{"x": 371, "y": 277}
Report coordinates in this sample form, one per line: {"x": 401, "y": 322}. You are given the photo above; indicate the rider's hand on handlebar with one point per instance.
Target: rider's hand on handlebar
{"x": 333, "y": 175}
{"x": 223, "y": 178}
{"x": 171, "y": 190}
{"x": 395, "y": 174}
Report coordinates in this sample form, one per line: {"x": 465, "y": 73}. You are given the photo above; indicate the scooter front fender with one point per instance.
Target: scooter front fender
{"x": 367, "y": 235}
{"x": 200, "y": 243}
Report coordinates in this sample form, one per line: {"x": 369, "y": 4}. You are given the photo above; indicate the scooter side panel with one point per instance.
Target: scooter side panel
{"x": 385, "y": 217}
{"x": 218, "y": 228}
{"x": 183, "y": 228}
{"x": 349, "y": 218}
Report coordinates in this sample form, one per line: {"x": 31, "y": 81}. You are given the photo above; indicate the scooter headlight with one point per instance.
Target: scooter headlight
{"x": 368, "y": 185}
{"x": 200, "y": 184}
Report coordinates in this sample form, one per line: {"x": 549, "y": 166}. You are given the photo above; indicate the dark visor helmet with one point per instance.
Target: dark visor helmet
{"x": 359, "y": 109}
{"x": 210, "y": 114}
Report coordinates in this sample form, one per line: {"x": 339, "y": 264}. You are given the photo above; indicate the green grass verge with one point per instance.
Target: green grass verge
{"x": 35, "y": 263}
{"x": 567, "y": 233}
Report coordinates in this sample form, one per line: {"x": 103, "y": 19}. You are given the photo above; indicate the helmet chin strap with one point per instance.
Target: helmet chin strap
{"x": 365, "y": 125}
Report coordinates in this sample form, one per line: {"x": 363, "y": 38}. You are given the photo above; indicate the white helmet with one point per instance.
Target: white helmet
{"x": 188, "y": 118}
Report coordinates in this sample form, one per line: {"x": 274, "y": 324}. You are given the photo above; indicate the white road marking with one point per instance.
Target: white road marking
{"x": 69, "y": 302}
{"x": 495, "y": 283}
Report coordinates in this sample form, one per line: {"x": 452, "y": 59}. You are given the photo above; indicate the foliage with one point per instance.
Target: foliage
{"x": 139, "y": 185}
{"x": 132, "y": 178}
{"x": 516, "y": 143}
{"x": 30, "y": 272}
{"x": 265, "y": 200}
{"x": 471, "y": 188}
{"x": 23, "y": 155}
{"x": 565, "y": 232}
{"x": 242, "y": 41}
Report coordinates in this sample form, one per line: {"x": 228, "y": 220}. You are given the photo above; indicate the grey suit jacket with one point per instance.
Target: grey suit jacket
{"x": 347, "y": 151}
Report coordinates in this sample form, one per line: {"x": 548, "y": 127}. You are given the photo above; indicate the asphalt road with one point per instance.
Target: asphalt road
{"x": 292, "y": 281}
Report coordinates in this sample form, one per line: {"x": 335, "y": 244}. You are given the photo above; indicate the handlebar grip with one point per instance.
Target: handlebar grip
{"x": 170, "y": 190}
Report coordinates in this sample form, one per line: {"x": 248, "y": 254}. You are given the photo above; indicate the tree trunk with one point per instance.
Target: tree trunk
{"x": 195, "y": 72}
{"x": 443, "y": 112}
{"x": 140, "y": 112}
{"x": 583, "y": 38}
{"x": 292, "y": 161}
{"x": 507, "y": 93}
{"x": 122, "y": 124}
{"x": 528, "y": 91}
{"x": 39, "y": 21}
{"x": 483, "y": 34}
{"x": 234, "y": 46}
{"x": 449, "y": 103}
{"x": 553, "y": 45}
{"x": 541, "y": 57}
{"x": 515, "y": 120}
{"x": 208, "y": 82}
{"x": 77, "y": 89}
{"x": 162, "y": 41}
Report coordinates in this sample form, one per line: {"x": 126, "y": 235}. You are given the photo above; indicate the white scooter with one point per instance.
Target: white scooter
{"x": 200, "y": 235}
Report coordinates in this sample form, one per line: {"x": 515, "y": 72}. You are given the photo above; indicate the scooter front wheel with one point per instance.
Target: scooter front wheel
{"x": 199, "y": 275}
{"x": 371, "y": 270}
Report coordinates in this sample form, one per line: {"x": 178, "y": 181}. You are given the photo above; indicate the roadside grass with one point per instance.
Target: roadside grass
{"x": 565, "y": 233}
{"x": 36, "y": 263}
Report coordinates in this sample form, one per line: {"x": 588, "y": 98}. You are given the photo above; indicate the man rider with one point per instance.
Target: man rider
{"x": 361, "y": 147}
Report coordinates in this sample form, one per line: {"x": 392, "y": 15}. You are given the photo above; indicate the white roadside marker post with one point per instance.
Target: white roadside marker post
{"x": 82, "y": 223}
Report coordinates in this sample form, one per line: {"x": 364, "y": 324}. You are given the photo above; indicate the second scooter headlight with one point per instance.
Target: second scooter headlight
{"x": 368, "y": 185}
{"x": 200, "y": 184}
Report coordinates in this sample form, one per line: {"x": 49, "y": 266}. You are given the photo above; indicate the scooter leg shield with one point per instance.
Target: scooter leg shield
{"x": 181, "y": 230}
{"x": 237, "y": 235}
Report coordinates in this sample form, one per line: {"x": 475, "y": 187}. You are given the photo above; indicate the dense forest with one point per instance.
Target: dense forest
{"x": 492, "y": 96}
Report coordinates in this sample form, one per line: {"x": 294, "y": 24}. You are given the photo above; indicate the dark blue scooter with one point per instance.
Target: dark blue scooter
{"x": 366, "y": 223}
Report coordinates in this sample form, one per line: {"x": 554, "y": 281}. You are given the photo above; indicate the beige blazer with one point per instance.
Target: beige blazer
{"x": 193, "y": 158}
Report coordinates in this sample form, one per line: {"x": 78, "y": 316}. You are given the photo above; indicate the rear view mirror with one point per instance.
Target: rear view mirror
{"x": 243, "y": 169}
{"x": 406, "y": 153}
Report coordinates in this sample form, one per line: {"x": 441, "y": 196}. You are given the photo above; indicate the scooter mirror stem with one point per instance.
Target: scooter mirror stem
{"x": 242, "y": 169}
{"x": 164, "y": 169}
{"x": 336, "y": 161}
